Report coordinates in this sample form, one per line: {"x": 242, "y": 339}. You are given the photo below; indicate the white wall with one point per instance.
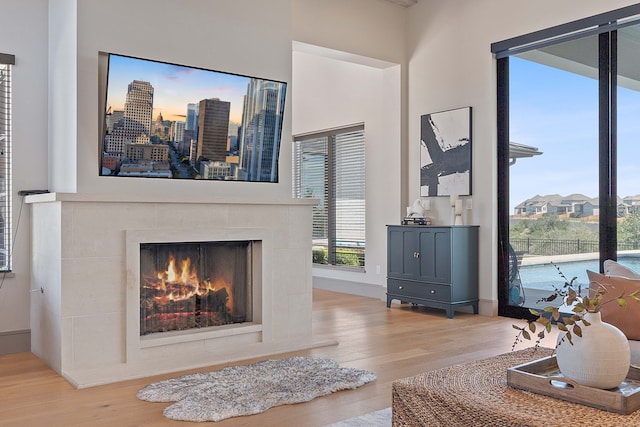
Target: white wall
{"x": 249, "y": 37}
{"x": 348, "y": 68}
{"x": 330, "y": 93}
{"x": 23, "y": 33}
{"x": 450, "y": 66}
{"x": 370, "y": 28}
{"x": 63, "y": 95}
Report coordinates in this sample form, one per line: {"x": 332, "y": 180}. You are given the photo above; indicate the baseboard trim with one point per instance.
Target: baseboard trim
{"x": 15, "y": 341}
{"x": 488, "y": 307}
{"x": 485, "y": 307}
{"x": 349, "y": 287}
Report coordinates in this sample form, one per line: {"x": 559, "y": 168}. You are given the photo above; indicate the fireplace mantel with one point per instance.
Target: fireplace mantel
{"x": 174, "y": 198}
{"x": 79, "y": 248}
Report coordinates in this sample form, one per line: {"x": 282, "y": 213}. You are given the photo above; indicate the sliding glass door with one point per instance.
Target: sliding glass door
{"x": 553, "y": 191}
{"x": 628, "y": 145}
{"x": 568, "y": 144}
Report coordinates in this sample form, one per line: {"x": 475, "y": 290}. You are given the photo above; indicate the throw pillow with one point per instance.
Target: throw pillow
{"x": 628, "y": 319}
{"x": 612, "y": 268}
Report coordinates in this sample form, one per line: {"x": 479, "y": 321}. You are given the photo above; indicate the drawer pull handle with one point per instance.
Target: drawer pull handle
{"x": 416, "y": 254}
{"x": 400, "y": 287}
{"x": 432, "y": 292}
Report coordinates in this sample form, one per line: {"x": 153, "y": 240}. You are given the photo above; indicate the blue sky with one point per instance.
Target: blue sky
{"x": 557, "y": 112}
{"x": 174, "y": 86}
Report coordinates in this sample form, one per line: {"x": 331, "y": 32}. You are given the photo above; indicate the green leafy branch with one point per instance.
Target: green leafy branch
{"x": 570, "y": 325}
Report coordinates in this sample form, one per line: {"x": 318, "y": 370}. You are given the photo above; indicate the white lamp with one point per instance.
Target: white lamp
{"x": 453, "y": 200}
{"x": 458, "y": 212}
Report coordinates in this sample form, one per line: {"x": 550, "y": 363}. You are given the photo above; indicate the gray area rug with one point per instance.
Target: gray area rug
{"x": 381, "y": 418}
{"x": 251, "y": 389}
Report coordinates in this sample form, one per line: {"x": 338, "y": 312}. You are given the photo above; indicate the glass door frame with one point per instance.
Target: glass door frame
{"x": 605, "y": 26}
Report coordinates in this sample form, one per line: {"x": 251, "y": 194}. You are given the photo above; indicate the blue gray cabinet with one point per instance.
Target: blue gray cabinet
{"x": 434, "y": 266}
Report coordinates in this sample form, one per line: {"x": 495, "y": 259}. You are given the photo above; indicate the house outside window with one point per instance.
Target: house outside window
{"x": 6, "y": 61}
{"x": 330, "y": 166}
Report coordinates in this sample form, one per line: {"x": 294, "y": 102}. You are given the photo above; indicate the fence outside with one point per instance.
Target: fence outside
{"x": 563, "y": 247}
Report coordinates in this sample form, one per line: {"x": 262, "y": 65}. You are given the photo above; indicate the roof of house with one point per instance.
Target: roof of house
{"x": 557, "y": 200}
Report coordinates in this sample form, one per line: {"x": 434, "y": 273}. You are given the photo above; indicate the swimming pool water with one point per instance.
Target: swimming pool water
{"x": 545, "y": 276}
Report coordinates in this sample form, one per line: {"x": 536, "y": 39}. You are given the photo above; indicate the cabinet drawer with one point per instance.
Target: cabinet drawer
{"x": 427, "y": 291}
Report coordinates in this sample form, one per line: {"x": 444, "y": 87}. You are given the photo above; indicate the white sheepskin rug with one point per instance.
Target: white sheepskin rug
{"x": 251, "y": 389}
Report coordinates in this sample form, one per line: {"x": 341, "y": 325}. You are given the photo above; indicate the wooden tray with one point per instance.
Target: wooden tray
{"x": 543, "y": 376}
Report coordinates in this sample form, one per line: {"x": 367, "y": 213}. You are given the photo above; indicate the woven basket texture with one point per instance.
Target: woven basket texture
{"x": 477, "y": 394}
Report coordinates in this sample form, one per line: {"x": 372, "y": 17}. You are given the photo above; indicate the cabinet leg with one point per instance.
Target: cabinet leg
{"x": 450, "y": 312}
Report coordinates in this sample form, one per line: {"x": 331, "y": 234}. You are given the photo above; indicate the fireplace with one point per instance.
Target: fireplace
{"x": 194, "y": 286}
{"x": 86, "y": 256}
{"x": 191, "y": 285}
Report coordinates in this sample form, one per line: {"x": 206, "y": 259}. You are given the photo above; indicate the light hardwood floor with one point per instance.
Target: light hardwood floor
{"x": 396, "y": 343}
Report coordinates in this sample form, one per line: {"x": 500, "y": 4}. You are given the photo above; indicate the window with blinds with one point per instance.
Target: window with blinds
{"x": 330, "y": 166}
{"x": 6, "y": 61}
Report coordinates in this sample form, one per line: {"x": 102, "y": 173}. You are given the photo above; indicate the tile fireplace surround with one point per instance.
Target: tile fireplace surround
{"x": 85, "y": 260}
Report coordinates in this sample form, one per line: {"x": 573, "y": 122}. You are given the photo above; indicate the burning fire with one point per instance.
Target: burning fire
{"x": 182, "y": 283}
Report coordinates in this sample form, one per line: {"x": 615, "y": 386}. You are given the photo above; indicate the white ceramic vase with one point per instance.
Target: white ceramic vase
{"x": 600, "y": 358}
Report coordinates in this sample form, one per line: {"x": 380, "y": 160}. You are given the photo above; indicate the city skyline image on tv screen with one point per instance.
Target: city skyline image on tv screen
{"x": 172, "y": 121}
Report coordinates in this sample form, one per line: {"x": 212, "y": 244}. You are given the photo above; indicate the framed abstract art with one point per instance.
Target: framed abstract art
{"x": 445, "y": 153}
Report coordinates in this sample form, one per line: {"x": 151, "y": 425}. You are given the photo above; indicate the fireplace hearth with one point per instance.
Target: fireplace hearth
{"x": 191, "y": 285}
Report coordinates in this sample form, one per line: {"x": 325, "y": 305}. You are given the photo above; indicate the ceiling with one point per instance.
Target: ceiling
{"x": 580, "y": 56}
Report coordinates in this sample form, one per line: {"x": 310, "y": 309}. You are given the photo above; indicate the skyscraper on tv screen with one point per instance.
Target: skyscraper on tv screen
{"x": 261, "y": 127}
{"x": 135, "y": 126}
{"x": 213, "y": 126}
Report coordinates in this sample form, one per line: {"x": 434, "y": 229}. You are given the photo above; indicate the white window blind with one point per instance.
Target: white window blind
{"x": 330, "y": 166}
{"x": 6, "y": 62}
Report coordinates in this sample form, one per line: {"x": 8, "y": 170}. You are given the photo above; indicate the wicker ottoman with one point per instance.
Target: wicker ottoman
{"x": 476, "y": 394}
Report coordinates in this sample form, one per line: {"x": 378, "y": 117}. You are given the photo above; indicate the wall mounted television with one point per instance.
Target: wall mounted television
{"x": 164, "y": 120}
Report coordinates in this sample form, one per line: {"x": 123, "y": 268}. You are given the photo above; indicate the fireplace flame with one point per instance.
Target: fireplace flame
{"x": 182, "y": 283}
